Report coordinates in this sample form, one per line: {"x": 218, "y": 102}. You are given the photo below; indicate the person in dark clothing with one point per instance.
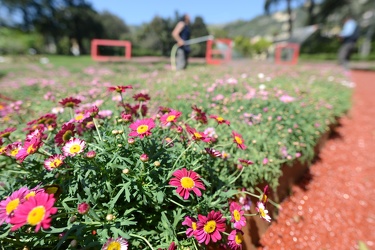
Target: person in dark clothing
{"x": 181, "y": 33}
{"x": 348, "y": 36}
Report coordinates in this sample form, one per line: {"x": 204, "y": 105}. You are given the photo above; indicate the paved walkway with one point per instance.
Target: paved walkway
{"x": 334, "y": 208}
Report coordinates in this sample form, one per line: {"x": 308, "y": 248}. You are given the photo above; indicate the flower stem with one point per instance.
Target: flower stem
{"x": 97, "y": 128}
{"x": 250, "y": 214}
{"x": 71, "y": 112}
{"x": 183, "y": 152}
{"x": 254, "y": 195}
{"x": 43, "y": 152}
{"x": 238, "y": 176}
{"x": 178, "y": 204}
{"x": 137, "y": 236}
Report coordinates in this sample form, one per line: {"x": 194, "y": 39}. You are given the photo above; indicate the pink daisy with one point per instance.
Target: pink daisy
{"x": 142, "y": 128}
{"x": 235, "y": 239}
{"x": 209, "y": 228}
{"x": 220, "y": 120}
{"x": 54, "y": 162}
{"x": 13, "y": 149}
{"x": 238, "y": 217}
{"x": 141, "y": 97}
{"x": 263, "y": 212}
{"x": 247, "y": 162}
{"x": 35, "y": 211}
{"x": 238, "y": 140}
{"x": 10, "y": 204}
{"x": 213, "y": 152}
{"x": 185, "y": 182}
{"x": 64, "y": 135}
{"x": 264, "y": 197}
{"x": 192, "y": 224}
{"x": 118, "y": 244}
{"x": 73, "y": 147}
{"x": 6, "y": 132}
{"x": 119, "y": 89}
{"x": 197, "y": 136}
{"x": 170, "y": 117}
{"x": 70, "y": 102}
{"x": 30, "y": 147}
{"x": 80, "y": 117}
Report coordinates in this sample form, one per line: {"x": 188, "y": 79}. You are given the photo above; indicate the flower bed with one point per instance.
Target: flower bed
{"x": 142, "y": 175}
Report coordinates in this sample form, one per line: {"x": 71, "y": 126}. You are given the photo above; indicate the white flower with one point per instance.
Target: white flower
{"x": 263, "y": 212}
{"x": 73, "y": 147}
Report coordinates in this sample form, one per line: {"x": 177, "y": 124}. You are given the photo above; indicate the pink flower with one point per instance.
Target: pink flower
{"x": 83, "y": 208}
{"x": 197, "y": 136}
{"x": 142, "y": 128}
{"x": 286, "y": 98}
{"x": 209, "y": 227}
{"x": 264, "y": 197}
{"x": 54, "y": 162}
{"x": 213, "y": 152}
{"x": 185, "y": 182}
{"x": 238, "y": 140}
{"x": 238, "y": 217}
{"x": 30, "y": 147}
{"x": 6, "y": 132}
{"x": 119, "y": 243}
{"x": 235, "y": 239}
{"x": 172, "y": 116}
{"x": 220, "y": 120}
{"x": 192, "y": 224}
{"x": 10, "y": 204}
{"x": 74, "y": 147}
{"x": 144, "y": 157}
{"x": 35, "y": 211}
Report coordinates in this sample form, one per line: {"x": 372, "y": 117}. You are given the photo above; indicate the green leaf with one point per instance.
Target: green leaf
{"x": 160, "y": 197}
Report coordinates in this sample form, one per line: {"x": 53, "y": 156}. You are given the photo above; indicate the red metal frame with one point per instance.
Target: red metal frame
{"x": 95, "y": 43}
{"x": 210, "y": 52}
{"x": 282, "y": 46}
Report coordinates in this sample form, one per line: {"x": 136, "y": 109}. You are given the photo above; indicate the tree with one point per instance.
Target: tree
{"x": 114, "y": 27}
{"x": 198, "y": 29}
{"x": 267, "y": 8}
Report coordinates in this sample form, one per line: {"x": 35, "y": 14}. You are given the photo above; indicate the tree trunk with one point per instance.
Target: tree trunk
{"x": 310, "y": 10}
{"x": 290, "y": 21}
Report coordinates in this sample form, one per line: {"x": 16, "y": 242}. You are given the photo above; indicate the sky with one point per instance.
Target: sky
{"x": 136, "y": 12}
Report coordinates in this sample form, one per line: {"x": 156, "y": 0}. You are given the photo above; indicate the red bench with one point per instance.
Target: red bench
{"x": 226, "y": 54}
{"x": 95, "y": 43}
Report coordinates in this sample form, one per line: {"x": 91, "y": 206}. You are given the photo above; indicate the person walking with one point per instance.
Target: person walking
{"x": 348, "y": 36}
{"x": 181, "y": 33}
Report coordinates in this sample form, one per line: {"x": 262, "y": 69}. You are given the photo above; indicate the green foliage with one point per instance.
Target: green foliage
{"x": 17, "y": 42}
{"x": 248, "y": 48}
{"x": 198, "y": 29}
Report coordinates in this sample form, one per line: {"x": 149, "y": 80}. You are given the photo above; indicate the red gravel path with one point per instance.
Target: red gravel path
{"x": 334, "y": 207}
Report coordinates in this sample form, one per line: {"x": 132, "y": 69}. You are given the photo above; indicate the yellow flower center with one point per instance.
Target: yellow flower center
{"x": 219, "y": 119}
{"x": 36, "y": 215}
{"x": 194, "y": 225}
{"x": 210, "y": 226}
{"x": 142, "y": 129}
{"x": 70, "y": 104}
{"x": 75, "y": 149}
{"x": 79, "y": 117}
{"x": 264, "y": 198}
{"x": 2, "y": 149}
{"x": 171, "y": 118}
{"x": 31, "y": 149}
{"x": 67, "y": 135}
{"x": 236, "y": 215}
{"x": 114, "y": 246}
{"x": 55, "y": 163}
{"x": 197, "y": 135}
{"x": 12, "y": 205}
{"x": 31, "y": 194}
{"x": 239, "y": 238}
{"x": 262, "y": 212}
{"x": 14, "y": 152}
{"x": 238, "y": 140}
{"x": 187, "y": 182}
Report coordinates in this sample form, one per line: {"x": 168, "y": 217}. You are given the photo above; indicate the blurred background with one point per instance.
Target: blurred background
{"x": 66, "y": 27}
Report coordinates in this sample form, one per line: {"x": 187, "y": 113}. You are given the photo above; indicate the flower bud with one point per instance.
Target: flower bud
{"x": 125, "y": 171}
{"x": 73, "y": 219}
{"x": 157, "y": 163}
{"x": 131, "y": 140}
{"x": 114, "y": 132}
{"x": 83, "y": 208}
{"x": 91, "y": 154}
{"x": 109, "y": 217}
{"x": 73, "y": 243}
{"x": 144, "y": 157}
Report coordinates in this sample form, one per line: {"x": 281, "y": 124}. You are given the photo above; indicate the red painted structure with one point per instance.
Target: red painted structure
{"x": 95, "y": 43}
{"x": 290, "y": 50}
{"x": 210, "y": 51}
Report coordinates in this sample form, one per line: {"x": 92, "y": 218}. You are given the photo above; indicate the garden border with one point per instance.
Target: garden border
{"x": 291, "y": 174}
